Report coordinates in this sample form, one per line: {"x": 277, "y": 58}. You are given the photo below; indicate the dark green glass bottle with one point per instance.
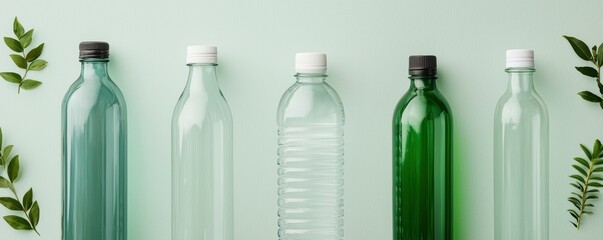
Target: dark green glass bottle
{"x": 422, "y": 158}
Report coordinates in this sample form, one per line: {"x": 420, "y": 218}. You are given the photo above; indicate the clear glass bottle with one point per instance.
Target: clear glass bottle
{"x": 521, "y": 196}
{"x": 94, "y": 152}
{"x": 310, "y": 155}
{"x": 422, "y": 158}
{"x": 202, "y": 180}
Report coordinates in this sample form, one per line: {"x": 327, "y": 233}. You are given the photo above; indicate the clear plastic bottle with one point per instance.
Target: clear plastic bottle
{"x": 521, "y": 196}
{"x": 202, "y": 184}
{"x": 94, "y": 152}
{"x": 310, "y": 155}
{"x": 422, "y": 158}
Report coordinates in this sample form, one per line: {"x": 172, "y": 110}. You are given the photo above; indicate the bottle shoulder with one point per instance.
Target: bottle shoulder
{"x": 525, "y": 102}
{"x": 195, "y": 109}
{"x": 429, "y": 101}
{"x": 101, "y": 93}
{"x": 310, "y": 103}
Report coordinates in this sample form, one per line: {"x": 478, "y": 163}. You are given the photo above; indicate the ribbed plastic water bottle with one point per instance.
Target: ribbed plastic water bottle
{"x": 310, "y": 155}
{"x": 521, "y": 150}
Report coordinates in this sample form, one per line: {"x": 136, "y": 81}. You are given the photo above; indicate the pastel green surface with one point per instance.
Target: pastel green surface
{"x": 368, "y": 44}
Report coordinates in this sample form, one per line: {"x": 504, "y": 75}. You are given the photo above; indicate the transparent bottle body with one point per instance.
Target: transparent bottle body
{"x": 422, "y": 164}
{"x": 94, "y": 157}
{"x": 310, "y": 161}
{"x": 521, "y": 161}
{"x": 202, "y": 180}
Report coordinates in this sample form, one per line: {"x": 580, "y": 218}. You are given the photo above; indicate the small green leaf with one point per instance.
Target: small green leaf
{"x": 589, "y": 96}
{"x": 599, "y": 169}
{"x": 576, "y": 226}
{"x": 30, "y": 84}
{"x": 25, "y": 40}
{"x": 572, "y": 211}
{"x": 592, "y": 190}
{"x": 7, "y": 150}
{"x": 34, "y": 214}
{"x": 0, "y": 134}
{"x": 13, "y": 169}
{"x": 582, "y": 161}
{"x": 581, "y": 49}
{"x": 586, "y": 151}
{"x": 600, "y": 55}
{"x": 596, "y": 178}
{"x": 13, "y": 44}
{"x": 575, "y": 167}
{"x": 18, "y": 28}
{"x": 588, "y": 71}
{"x": 4, "y": 183}
{"x": 18, "y": 223}
{"x": 37, "y": 65}
{"x": 595, "y": 184}
{"x": 28, "y": 199}
{"x": 596, "y": 148}
{"x": 577, "y": 186}
{"x": 34, "y": 53}
{"x": 11, "y": 77}
{"x": 578, "y": 177}
{"x": 592, "y": 197}
{"x": 601, "y": 105}
{"x": 577, "y": 195}
{"x": 19, "y": 60}
{"x": 11, "y": 203}
{"x": 574, "y": 201}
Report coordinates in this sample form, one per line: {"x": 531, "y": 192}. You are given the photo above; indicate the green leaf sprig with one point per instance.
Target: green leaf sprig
{"x": 587, "y": 182}
{"x": 593, "y": 55}
{"x": 29, "y": 207}
{"x": 28, "y": 61}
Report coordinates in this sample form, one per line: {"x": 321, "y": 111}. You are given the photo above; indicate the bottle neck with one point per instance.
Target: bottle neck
{"x": 423, "y": 82}
{"x": 520, "y": 80}
{"x": 202, "y": 77}
{"x": 94, "y": 69}
{"x": 311, "y": 77}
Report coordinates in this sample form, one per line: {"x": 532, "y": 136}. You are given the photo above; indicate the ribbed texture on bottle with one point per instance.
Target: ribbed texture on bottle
{"x": 310, "y": 182}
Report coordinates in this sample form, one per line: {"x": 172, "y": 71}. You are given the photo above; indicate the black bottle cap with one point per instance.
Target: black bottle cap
{"x": 422, "y": 65}
{"x": 94, "y": 50}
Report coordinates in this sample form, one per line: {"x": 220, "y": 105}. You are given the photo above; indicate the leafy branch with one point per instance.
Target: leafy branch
{"x": 594, "y": 56}
{"x": 27, "y": 206}
{"x": 28, "y": 61}
{"x": 587, "y": 182}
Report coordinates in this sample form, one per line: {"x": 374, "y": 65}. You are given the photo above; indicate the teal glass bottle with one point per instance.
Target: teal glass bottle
{"x": 422, "y": 158}
{"x": 521, "y": 150}
{"x": 202, "y": 178}
{"x": 94, "y": 152}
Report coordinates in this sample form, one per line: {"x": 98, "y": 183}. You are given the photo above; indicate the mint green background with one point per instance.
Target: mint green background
{"x": 367, "y": 42}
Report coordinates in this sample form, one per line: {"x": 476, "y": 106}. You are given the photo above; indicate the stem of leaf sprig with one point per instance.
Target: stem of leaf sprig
{"x": 28, "y": 215}
{"x": 587, "y": 182}
{"x": 30, "y": 208}
{"x": 28, "y": 61}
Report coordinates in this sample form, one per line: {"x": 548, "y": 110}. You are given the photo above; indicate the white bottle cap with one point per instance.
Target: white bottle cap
{"x": 312, "y": 62}
{"x": 520, "y": 58}
{"x": 201, "y": 54}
